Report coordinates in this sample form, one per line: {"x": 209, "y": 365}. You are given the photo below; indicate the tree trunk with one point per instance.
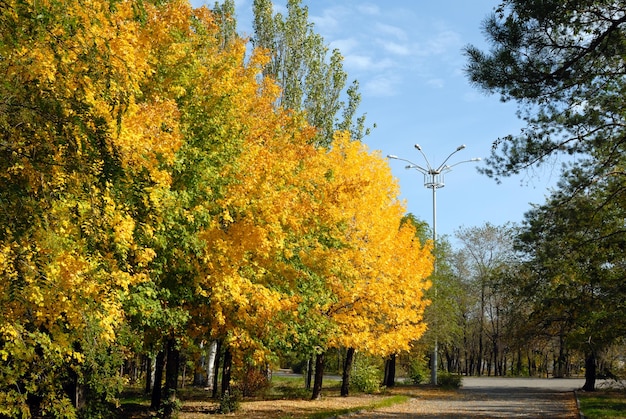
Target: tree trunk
{"x": 390, "y": 372}
{"x": 171, "y": 376}
{"x": 226, "y": 371}
{"x": 216, "y": 367}
{"x": 74, "y": 390}
{"x": 199, "y": 377}
{"x": 319, "y": 377}
{"x": 559, "y": 367}
{"x": 309, "y": 372}
{"x": 149, "y": 375}
{"x": 496, "y": 355}
{"x": 519, "y": 366}
{"x": 347, "y": 367}
{"x": 210, "y": 363}
{"x": 590, "y": 373}
{"x": 155, "y": 403}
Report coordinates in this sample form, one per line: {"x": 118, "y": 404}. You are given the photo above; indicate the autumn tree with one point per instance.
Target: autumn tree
{"x": 218, "y": 280}
{"x": 249, "y": 281}
{"x": 72, "y": 115}
{"x": 376, "y": 269}
{"x": 151, "y": 187}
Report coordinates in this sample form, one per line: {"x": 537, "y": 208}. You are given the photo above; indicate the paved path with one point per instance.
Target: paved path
{"x": 486, "y": 397}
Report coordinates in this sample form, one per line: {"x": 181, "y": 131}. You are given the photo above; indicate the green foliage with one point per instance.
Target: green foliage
{"x": 575, "y": 265}
{"x": 99, "y": 377}
{"x": 170, "y": 407}
{"x": 230, "y": 402}
{"x": 366, "y": 376}
{"x": 299, "y": 366}
{"x": 449, "y": 380}
{"x": 563, "y": 64}
{"x": 419, "y": 371}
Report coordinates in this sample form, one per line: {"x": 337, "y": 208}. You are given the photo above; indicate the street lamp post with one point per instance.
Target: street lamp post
{"x": 434, "y": 179}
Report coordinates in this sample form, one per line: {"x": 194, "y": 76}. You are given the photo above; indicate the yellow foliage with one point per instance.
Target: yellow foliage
{"x": 381, "y": 270}
{"x": 82, "y": 133}
{"x": 109, "y": 107}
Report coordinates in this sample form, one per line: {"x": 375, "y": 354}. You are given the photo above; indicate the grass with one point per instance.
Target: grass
{"x": 290, "y": 387}
{"x": 389, "y": 401}
{"x": 603, "y": 404}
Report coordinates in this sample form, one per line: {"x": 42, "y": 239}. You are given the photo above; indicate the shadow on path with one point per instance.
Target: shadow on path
{"x": 487, "y": 397}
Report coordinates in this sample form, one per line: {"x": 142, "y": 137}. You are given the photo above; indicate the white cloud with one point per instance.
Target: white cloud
{"x": 383, "y": 29}
{"x": 381, "y": 86}
{"x": 345, "y": 45}
{"x": 436, "y": 82}
{"x": 366, "y": 63}
{"x": 445, "y": 41}
{"x": 395, "y": 48}
{"x": 325, "y": 23}
{"x": 330, "y": 20}
{"x": 359, "y": 62}
{"x": 369, "y": 9}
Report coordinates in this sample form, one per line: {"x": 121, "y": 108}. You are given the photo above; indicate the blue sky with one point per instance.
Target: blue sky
{"x": 407, "y": 57}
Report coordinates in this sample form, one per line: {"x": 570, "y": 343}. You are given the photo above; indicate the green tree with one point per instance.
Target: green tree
{"x": 574, "y": 245}
{"x": 563, "y": 62}
{"x": 224, "y": 15}
{"x": 311, "y": 79}
{"x": 484, "y": 253}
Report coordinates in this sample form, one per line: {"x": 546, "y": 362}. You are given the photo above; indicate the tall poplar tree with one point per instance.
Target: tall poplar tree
{"x": 312, "y": 78}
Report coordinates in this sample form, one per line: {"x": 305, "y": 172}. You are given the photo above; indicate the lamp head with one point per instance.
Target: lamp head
{"x": 391, "y": 156}
{"x": 418, "y": 147}
{"x": 461, "y": 147}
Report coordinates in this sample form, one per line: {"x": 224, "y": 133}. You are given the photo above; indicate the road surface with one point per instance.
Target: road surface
{"x": 488, "y": 397}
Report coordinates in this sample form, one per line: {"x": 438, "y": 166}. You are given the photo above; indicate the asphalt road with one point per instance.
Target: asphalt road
{"x": 489, "y": 397}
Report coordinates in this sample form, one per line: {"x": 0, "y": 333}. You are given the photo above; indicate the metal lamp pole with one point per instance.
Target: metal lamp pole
{"x": 434, "y": 179}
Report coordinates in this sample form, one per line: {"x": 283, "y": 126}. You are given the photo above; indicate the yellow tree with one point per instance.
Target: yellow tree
{"x": 223, "y": 110}
{"x": 76, "y": 135}
{"x": 379, "y": 272}
{"x": 252, "y": 283}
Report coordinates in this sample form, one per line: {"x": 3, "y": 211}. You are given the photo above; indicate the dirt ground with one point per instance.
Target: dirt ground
{"x": 281, "y": 409}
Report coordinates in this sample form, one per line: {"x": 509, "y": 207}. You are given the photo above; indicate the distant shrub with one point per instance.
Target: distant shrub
{"x": 366, "y": 377}
{"x": 449, "y": 380}
{"x": 230, "y": 402}
{"x": 254, "y": 382}
{"x": 299, "y": 366}
{"x": 418, "y": 370}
